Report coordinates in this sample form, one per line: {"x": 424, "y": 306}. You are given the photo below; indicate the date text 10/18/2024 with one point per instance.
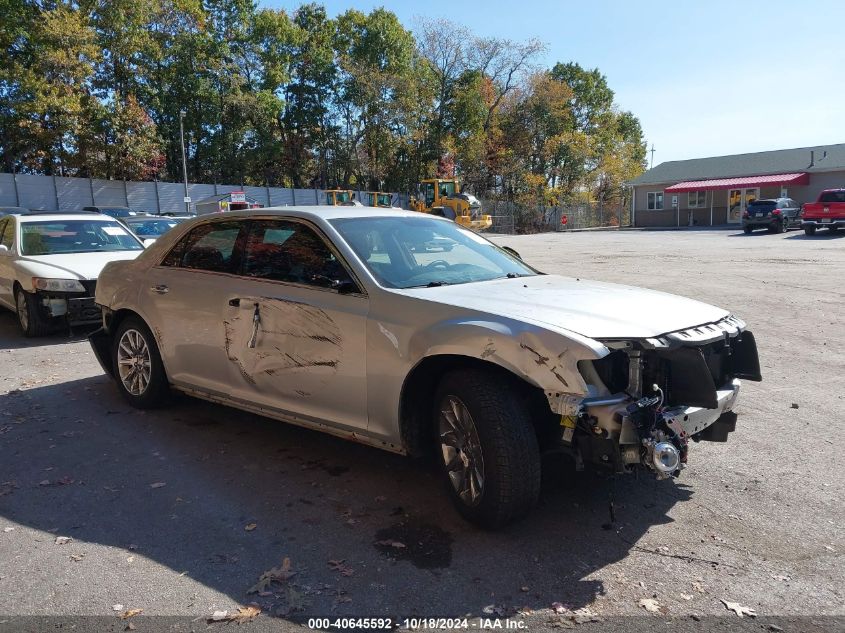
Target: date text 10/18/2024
{"x": 415, "y": 623}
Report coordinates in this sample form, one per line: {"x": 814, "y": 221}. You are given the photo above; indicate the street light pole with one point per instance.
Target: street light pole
{"x": 184, "y": 161}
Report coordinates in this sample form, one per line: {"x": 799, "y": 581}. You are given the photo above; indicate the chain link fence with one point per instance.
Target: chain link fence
{"x": 509, "y": 217}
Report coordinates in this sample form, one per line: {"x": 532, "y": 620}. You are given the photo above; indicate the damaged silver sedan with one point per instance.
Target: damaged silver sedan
{"x": 347, "y": 320}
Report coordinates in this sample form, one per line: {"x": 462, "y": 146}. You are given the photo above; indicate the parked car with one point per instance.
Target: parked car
{"x": 340, "y": 319}
{"x": 115, "y": 212}
{"x": 827, "y": 211}
{"x": 775, "y": 214}
{"x": 150, "y": 227}
{"x": 49, "y": 263}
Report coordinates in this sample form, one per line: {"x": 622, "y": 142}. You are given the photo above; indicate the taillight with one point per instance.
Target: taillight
{"x": 776, "y": 212}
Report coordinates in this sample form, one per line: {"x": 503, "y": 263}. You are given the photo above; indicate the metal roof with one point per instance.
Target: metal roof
{"x": 745, "y": 181}
{"x": 782, "y": 161}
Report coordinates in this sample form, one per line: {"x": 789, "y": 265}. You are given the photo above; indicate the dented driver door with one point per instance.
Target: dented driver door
{"x": 294, "y": 327}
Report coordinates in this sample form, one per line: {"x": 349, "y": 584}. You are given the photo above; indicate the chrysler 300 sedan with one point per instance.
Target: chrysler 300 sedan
{"x": 342, "y": 319}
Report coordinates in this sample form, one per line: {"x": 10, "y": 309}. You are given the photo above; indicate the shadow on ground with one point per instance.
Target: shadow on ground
{"x": 366, "y": 532}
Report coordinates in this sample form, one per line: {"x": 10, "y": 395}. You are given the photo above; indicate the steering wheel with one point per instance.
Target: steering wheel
{"x": 438, "y": 263}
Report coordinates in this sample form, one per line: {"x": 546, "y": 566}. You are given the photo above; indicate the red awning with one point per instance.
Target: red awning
{"x": 739, "y": 183}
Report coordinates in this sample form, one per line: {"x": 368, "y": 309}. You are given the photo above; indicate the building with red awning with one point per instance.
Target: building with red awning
{"x": 716, "y": 191}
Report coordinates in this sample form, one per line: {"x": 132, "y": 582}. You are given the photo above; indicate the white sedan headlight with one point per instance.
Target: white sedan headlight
{"x": 57, "y": 285}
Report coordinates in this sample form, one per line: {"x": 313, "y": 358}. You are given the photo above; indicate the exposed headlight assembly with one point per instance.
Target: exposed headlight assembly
{"x": 57, "y": 285}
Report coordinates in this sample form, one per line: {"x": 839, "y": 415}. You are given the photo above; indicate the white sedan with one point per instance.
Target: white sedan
{"x": 342, "y": 319}
{"x": 49, "y": 263}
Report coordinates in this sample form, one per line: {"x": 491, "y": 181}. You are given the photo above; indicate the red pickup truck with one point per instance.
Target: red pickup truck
{"x": 828, "y": 210}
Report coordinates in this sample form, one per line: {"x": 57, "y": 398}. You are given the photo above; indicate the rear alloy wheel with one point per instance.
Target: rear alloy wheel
{"x": 489, "y": 456}
{"x": 137, "y": 365}
{"x": 810, "y": 230}
{"x": 29, "y": 317}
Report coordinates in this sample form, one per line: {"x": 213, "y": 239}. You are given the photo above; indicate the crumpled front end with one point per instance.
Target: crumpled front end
{"x": 648, "y": 398}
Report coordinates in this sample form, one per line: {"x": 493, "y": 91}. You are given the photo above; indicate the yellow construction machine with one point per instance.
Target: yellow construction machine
{"x": 379, "y": 199}
{"x": 443, "y": 197}
{"x": 338, "y": 197}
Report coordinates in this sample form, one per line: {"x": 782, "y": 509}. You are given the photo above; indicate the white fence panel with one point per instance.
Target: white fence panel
{"x": 73, "y": 193}
{"x": 109, "y": 193}
{"x": 141, "y": 196}
{"x": 7, "y": 191}
{"x": 309, "y": 196}
{"x": 259, "y": 194}
{"x": 280, "y": 197}
{"x": 170, "y": 197}
{"x": 36, "y": 192}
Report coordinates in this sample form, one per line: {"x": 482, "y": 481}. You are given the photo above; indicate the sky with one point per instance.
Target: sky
{"x": 705, "y": 78}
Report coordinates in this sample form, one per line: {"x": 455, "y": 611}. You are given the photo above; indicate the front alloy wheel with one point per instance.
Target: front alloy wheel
{"x": 461, "y": 450}
{"x": 137, "y": 365}
{"x": 134, "y": 362}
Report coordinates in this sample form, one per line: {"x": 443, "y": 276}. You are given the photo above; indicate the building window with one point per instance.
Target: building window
{"x": 655, "y": 200}
{"x": 697, "y": 199}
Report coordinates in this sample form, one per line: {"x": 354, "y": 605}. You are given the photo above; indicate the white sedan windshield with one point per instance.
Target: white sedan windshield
{"x": 55, "y": 237}
{"x": 404, "y": 252}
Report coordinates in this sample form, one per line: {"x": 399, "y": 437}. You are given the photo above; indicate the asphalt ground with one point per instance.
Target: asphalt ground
{"x": 180, "y": 511}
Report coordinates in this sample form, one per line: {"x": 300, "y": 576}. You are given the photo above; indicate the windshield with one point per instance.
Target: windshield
{"x": 150, "y": 227}
{"x": 406, "y": 252}
{"x": 75, "y": 236}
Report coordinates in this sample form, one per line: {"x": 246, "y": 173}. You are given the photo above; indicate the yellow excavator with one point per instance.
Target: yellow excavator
{"x": 443, "y": 197}
{"x": 379, "y": 199}
{"x": 338, "y": 197}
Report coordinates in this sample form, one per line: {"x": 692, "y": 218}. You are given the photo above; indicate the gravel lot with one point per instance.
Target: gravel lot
{"x": 178, "y": 512}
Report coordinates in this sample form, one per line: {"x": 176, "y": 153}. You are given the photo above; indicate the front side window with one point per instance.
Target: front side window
{"x": 655, "y": 200}
{"x": 211, "y": 247}
{"x": 284, "y": 250}
{"x": 76, "y": 236}
{"x": 426, "y": 252}
{"x": 697, "y": 199}
{"x": 428, "y": 193}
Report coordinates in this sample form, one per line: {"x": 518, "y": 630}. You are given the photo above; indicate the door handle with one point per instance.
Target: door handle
{"x": 234, "y": 302}
{"x": 160, "y": 289}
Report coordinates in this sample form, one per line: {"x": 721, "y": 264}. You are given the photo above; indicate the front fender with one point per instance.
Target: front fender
{"x": 544, "y": 358}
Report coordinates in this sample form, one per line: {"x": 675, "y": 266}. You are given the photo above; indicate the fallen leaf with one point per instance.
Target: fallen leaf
{"x": 493, "y": 609}
{"x": 524, "y": 589}
{"x": 652, "y": 606}
{"x": 77, "y": 557}
{"x": 279, "y": 574}
{"x": 686, "y": 596}
{"x": 117, "y": 607}
{"x": 249, "y": 527}
{"x": 557, "y": 607}
{"x": 46, "y": 482}
{"x": 63, "y": 540}
{"x": 8, "y": 529}
{"x": 130, "y": 560}
{"x": 697, "y": 586}
{"x": 130, "y": 613}
{"x": 242, "y": 615}
{"x": 158, "y": 484}
{"x": 739, "y": 609}
{"x": 129, "y": 627}
{"x": 389, "y": 543}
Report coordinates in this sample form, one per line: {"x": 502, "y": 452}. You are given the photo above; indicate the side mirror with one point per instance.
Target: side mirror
{"x": 149, "y": 242}
{"x": 345, "y": 286}
{"x": 511, "y": 251}
{"x": 4, "y": 249}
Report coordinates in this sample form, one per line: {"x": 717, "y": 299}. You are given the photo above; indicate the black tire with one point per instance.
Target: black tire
{"x": 747, "y": 230}
{"x": 157, "y": 389}
{"x": 30, "y": 320}
{"x": 780, "y": 227}
{"x": 833, "y": 229}
{"x": 809, "y": 230}
{"x": 510, "y": 455}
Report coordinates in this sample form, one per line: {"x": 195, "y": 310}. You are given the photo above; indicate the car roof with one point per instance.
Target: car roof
{"x": 58, "y": 217}
{"x": 324, "y": 212}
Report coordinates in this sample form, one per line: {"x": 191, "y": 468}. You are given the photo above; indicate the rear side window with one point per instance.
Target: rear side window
{"x": 833, "y": 196}
{"x": 213, "y": 247}
{"x": 7, "y": 233}
{"x": 763, "y": 204}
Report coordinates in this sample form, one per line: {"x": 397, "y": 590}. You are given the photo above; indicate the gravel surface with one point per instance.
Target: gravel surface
{"x": 179, "y": 512}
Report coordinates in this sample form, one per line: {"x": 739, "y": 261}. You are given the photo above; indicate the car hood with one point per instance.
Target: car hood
{"x": 72, "y": 265}
{"x": 594, "y": 309}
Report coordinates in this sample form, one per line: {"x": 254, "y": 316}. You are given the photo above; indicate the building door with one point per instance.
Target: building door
{"x": 738, "y": 201}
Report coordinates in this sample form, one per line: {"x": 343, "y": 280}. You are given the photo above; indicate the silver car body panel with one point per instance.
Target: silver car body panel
{"x": 339, "y": 362}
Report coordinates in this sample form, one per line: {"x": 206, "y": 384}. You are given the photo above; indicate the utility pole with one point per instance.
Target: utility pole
{"x": 184, "y": 161}
{"x": 652, "y": 157}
